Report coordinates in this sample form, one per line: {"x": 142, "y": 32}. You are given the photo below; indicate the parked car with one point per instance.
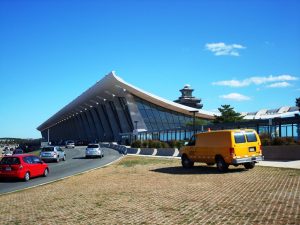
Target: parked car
{"x": 94, "y": 150}
{"x": 70, "y": 144}
{"x": 7, "y": 151}
{"x": 23, "y": 166}
{"x": 18, "y": 151}
{"x": 224, "y": 148}
{"x": 53, "y": 153}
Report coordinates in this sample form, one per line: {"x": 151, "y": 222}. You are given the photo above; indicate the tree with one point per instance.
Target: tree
{"x": 228, "y": 115}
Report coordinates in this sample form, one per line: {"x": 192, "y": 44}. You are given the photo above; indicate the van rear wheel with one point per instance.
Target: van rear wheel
{"x": 249, "y": 165}
{"x": 222, "y": 166}
{"x": 186, "y": 162}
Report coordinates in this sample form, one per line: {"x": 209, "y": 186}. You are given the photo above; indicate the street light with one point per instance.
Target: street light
{"x": 194, "y": 120}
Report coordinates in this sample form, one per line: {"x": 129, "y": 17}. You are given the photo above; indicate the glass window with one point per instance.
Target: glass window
{"x": 36, "y": 159}
{"x": 239, "y": 137}
{"x": 192, "y": 141}
{"x": 48, "y": 149}
{"x": 93, "y": 146}
{"x": 251, "y": 137}
{"x": 28, "y": 159}
{"x": 10, "y": 161}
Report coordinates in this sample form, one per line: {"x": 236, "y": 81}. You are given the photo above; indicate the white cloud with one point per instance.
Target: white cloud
{"x": 279, "y": 85}
{"x": 256, "y": 81}
{"x": 235, "y": 97}
{"x": 224, "y": 49}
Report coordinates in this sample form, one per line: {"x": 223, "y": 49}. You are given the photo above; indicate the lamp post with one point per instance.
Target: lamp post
{"x": 194, "y": 120}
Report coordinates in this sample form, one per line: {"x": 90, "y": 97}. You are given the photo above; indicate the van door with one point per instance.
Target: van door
{"x": 246, "y": 144}
{"x": 191, "y": 149}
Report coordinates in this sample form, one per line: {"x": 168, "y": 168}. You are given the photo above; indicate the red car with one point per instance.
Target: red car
{"x": 23, "y": 166}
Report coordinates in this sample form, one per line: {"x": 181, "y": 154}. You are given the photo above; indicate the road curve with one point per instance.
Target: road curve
{"x": 75, "y": 163}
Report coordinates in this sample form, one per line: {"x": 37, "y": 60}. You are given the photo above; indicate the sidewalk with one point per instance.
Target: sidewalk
{"x": 283, "y": 164}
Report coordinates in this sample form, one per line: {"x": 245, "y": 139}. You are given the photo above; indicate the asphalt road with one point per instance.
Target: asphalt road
{"x": 75, "y": 163}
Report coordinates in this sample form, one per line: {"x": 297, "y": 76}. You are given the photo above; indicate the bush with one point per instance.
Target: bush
{"x": 179, "y": 144}
{"x": 289, "y": 141}
{"x": 145, "y": 144}
{"x": 136, "y": 144}
{"x": 278, "y": 141}
{"x": 164, "y": 145}
{"x": 172, "y": 144}
{"x": 265, "y": 141}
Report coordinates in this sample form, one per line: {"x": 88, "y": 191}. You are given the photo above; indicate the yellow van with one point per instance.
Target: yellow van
{"x": 223, "y": 147}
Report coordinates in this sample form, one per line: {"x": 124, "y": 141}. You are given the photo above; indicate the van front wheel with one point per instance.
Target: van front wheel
{"x": 186, "y": 162}
{"x": 249, "y": 165}
{"x": 222, "y": 166}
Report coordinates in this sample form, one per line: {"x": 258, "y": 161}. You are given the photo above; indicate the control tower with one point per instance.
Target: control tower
{"x": 188, "y": 99}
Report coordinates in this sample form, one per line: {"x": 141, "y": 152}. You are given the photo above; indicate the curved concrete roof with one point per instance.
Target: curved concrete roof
{"x": 109, "y": 87}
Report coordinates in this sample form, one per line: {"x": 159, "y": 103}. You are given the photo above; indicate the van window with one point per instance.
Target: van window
{"x": 192, "y": 141}
{"x": 239, "y": 138}
{"x": 251, "y": 137}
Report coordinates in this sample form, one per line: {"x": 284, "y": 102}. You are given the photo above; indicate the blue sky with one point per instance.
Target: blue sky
{"x": 242, "y": 53}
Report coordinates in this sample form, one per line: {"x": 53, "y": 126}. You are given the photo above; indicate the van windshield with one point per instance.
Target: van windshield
{"x": 239, "y": 138}
{"x": 251, "y": 137}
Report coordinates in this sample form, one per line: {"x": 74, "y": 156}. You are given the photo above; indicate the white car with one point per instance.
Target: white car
{"x": 70, "y": 144}
{"x": 94, "y": 150}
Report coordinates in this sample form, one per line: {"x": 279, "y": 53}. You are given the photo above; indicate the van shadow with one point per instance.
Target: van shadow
{"x": 179, "y": 170}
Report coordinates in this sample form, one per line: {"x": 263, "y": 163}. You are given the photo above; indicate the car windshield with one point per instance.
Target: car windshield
{"x": 10, "y": 161}
{"x": 48, "y": 149}
{"x": 93, "y": 146}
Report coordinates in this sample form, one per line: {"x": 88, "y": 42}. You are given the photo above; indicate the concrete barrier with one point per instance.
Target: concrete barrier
{"x": 165, "y": 151}
{"x": 281, "y": 152}
{"x": 146, "y": 151}
{"x": 132, "y": 150}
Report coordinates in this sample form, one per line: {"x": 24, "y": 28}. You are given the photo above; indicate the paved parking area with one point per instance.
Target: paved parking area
{"x": 139, "y": 190}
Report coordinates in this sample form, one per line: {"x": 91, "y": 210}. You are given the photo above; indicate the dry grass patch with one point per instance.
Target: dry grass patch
{"x": 139, "y": 190}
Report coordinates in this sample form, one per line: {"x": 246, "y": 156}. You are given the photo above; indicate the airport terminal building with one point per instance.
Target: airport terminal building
{"x": 113, "y": 110}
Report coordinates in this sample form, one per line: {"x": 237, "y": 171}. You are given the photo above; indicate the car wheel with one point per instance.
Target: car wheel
{"x": 64, "y": 158}
{"x": 222, "y": 166}
{"x": 186, "y": 162}
{"x": 210, "y": 164}
{"x": 46, "y": 172}
{"x": 249, "y": 165}
{"x": 27, "y": 176}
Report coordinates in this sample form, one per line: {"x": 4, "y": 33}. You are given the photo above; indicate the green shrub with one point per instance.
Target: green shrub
{"x": 179, "y": 144}
{"x": 145, "y": 144}
{"x": 266, "y": 141}
{"x": 157, "y": 144}
{"x": 289, "y": 141}
{"x": 136, "y": 144}
{"x": 164, "y": 145}
{"x": 172, "y": 144}
{"x": 151, "y": 144}
{"x": 278, "y": 141}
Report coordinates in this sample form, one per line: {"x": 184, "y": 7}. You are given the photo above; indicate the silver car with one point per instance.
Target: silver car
{"x": 53, "y": 153}
{"x": 70, "y": 144}
{"x": 94, "y": 150}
